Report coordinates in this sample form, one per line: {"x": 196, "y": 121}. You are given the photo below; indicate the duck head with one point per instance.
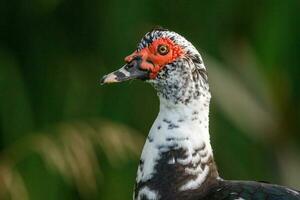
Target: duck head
{"x": 169, "y": 62}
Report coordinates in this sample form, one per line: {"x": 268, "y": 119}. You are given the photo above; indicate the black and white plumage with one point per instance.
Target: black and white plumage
{"x": 177, "y": 159}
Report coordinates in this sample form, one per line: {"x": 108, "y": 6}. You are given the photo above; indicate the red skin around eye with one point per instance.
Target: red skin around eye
{"x": 152, "y": 60}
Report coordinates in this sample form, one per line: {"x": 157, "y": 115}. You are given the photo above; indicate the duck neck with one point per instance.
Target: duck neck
{"x": 177, "y": 156}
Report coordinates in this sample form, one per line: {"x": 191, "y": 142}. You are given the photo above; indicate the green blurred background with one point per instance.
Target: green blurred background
{"x": 63, "y": 136}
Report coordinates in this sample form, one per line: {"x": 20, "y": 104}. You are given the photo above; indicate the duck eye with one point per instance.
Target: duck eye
{"x": 163, "y": 49}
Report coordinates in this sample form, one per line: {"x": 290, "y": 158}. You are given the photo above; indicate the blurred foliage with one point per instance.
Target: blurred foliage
{"x": 54, "y": 142}
{"x": 70, "y": 152}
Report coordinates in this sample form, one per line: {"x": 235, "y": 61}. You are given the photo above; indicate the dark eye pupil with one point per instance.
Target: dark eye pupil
{"x": 163, "y": 50}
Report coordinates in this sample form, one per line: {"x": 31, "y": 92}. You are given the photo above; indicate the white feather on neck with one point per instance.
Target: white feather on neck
{"x": 192, "y": 132}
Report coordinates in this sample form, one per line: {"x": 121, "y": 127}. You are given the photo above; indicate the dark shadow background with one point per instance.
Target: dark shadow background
{"x": 63, "y": 136}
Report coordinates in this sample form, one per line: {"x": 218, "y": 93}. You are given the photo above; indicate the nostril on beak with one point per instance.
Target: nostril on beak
{"x": 129, "y": 65}
{"x": 133, "y": 63}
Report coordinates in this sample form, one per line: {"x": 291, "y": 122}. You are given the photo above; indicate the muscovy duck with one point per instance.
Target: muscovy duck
{"x": 177, "y": 159}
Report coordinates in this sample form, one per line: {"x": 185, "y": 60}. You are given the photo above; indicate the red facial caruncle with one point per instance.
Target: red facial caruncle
{"x": 159, "y": 53}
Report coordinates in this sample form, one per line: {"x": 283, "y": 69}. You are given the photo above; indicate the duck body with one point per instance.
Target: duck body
{"x": 177, "y": 160}
{"x": 249, "y": 190}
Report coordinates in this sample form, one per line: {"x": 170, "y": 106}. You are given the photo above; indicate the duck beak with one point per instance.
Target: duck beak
{"x": 129, "y": 71}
